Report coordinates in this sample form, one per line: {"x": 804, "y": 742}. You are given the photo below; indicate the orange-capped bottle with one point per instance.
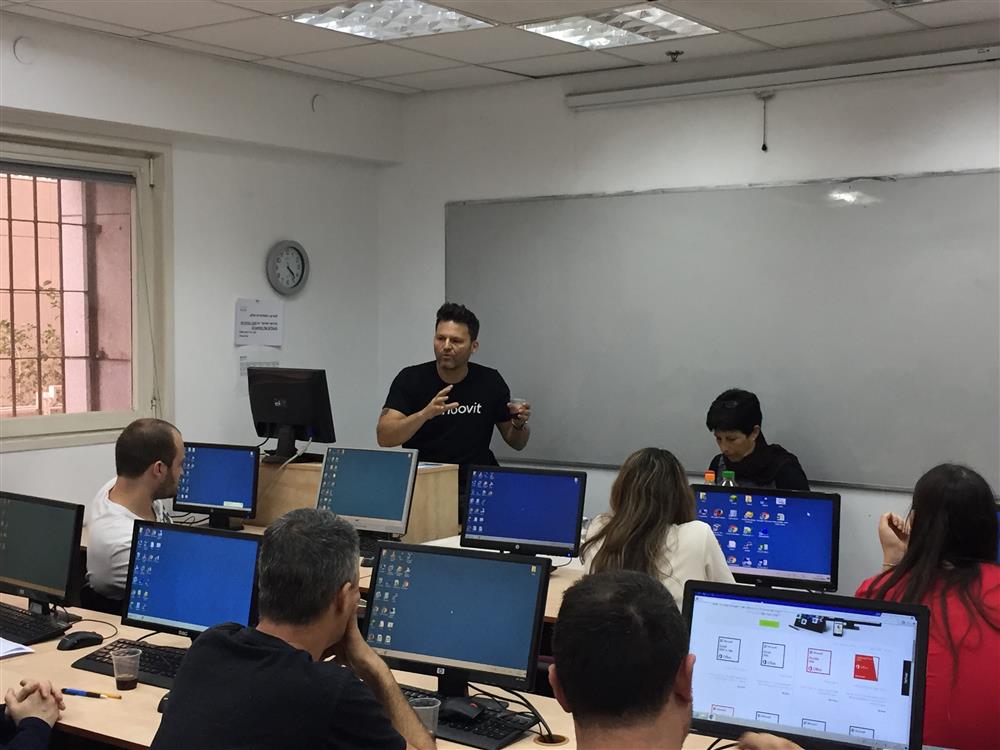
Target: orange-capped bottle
{"x": 709, "y": 477}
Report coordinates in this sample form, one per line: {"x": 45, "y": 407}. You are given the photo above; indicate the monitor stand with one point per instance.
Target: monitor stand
{"x": 285, "y": 450}
{"x": 221, "y": 520}
{"x": 368, "y": 543}
{"x": 454, "y": 684}
{"x": 47, "y": 610}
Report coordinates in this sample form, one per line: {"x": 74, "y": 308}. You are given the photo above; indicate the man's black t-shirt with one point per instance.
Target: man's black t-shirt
{"x": 238, "y": 688}
{"x": 461, "y": 436}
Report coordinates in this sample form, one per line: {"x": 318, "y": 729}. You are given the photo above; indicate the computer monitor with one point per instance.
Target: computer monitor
{"x": 290, "y": 404}
{"x": 39, "y": 549}
{"x": 184, "y": 579}
{"x": 459, "y": 614}
{"x": 774, "y": 537}
{"x": 825, "y": 671}
{"x": 533, "y": 511}
{"x": 220, "y": 480}
{"x": 369, "y": 487}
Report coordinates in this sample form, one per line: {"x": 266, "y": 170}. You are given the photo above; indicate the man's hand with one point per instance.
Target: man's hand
{"x": 756, "y": 741}
{"x": 520, "y": 413}
{"x": 35, "y": 704}
{"x": 353, "y": 652}
{"x": 439, "y": 404}
{"x": 894, "y": 536}
{"x": 29, "y": 686}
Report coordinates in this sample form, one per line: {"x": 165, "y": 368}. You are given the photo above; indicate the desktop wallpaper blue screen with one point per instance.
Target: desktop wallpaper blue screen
{"x": 454, "y": 607}
{"x": 770, "y": 533}
{"x": 192, "y": 578}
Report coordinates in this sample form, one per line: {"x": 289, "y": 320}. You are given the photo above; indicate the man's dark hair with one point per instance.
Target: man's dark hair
{"x": 618, "y": 643}
{"x": 456, "y": 313}
{"x": 734, "y": 409}
{"x": 143, "y": 443}
{"x": 305, "y": 557}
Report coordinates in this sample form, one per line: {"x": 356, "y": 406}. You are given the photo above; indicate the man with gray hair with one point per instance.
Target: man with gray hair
{"x": 269, "y": 687}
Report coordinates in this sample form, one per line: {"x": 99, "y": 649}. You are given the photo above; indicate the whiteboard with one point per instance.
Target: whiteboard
{"x": 869, "y": 330}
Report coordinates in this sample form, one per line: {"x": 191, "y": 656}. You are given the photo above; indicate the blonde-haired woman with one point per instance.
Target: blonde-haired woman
{"x": 651, "y": 526}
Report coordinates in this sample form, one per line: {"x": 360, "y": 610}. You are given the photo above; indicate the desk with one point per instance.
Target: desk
{"x": 433, "y": 510}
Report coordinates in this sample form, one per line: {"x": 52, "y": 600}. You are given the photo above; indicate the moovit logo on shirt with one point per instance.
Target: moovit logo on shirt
{"x": 476, "y": 408}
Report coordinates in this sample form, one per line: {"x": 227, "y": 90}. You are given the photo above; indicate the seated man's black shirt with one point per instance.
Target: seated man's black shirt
{"x": 31, "y": 734}
{"x": 238, "y": 688}
{"x": 463, "y": 435}
{"x": 769, "y": 466}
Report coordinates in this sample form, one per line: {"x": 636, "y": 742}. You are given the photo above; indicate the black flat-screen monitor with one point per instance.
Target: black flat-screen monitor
{"x": 534, "y": 511}
{"x": 774, "y": 537}
{"x": 290, "y": 404}
{"x": 184, "y": 579}
{"x": 824, "y": 671}
{"x": 459, "y": 614}
{"x": 220, "y": 480}
{"x": 370, "y": 487}
{"x": 39, "y": 548}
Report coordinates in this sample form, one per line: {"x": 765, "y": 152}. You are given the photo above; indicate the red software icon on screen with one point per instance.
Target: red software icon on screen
{"x": 865, "y": 667}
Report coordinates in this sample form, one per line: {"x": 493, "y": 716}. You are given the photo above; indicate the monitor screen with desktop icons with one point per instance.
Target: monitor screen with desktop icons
{"x": 827, "y": 671}
{"x": 436, "y": 610}
{"x": 219, "y": 479}
{"x": 372, "y": 488}
{"x": 777, "y": 537}
{"x": 536, "y": 511}
{"x": 186, "y": 579}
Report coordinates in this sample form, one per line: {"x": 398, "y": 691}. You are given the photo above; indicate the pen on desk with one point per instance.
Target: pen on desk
{"x": 90, "y": 694}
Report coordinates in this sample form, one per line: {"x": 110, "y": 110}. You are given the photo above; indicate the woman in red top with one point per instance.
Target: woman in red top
{"x": 944, "y": 556}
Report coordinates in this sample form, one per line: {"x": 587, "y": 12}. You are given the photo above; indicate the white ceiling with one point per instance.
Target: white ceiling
{"x": 252, "y": 31}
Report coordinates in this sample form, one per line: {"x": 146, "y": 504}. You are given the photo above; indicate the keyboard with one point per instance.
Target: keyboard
{"x": 491, "y": 730}
{"x": 24, "y": 627}
{"x": 157, "y": 666}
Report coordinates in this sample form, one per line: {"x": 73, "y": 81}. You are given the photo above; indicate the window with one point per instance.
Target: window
{"x": 79, "y": 281}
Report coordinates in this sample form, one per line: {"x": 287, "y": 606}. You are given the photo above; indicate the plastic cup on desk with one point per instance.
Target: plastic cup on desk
{"x": 126, "y": 664}
{"x": 427, "y": 710}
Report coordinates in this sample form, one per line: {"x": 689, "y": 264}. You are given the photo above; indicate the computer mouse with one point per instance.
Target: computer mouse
{"x": 460, "y": 708}
{"x": 162, "y": 705}
{"x": 80, "y": 639}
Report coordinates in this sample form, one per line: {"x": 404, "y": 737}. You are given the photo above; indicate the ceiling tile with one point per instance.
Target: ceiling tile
{"x": 172, "y": 41}
{"x": 386, "y": 86}
{"x": 518, "y": 11}
{"x": 378, "y": 60}
{"x": 953, "y": 12}
{"x": 557, "y": 65}
{"x": 151, "y": 15}
{"x": 745, "y": 14}
{"x": 86, "y": 23}
{"x": 272, "y": 37}
{"x": 832, "y": 29}
{"x": 455, "y": 78}
{"x": 706, "y": 45}
{"x": 274, "y": 7}
{"x": 309, "y": 70}
{"x": 488, "y": 45}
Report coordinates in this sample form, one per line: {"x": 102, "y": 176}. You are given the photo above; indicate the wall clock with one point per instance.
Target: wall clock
{"x": 287, "y": 267}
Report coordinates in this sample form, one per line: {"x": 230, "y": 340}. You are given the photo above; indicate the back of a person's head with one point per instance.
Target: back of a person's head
{"x": 143, "y": 443}
{"x": 954, "y": 518}
{"x": 650, "y": 493}
{"x": 734, "y": 409}
{"x": 306, "y": 556}
{"x": 453, "y": 312}
{"x": 618, "y": 643}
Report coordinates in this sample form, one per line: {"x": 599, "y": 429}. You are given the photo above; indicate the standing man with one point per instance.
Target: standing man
{"x": 447, "y": 408}
{"x": 149, "y": 455}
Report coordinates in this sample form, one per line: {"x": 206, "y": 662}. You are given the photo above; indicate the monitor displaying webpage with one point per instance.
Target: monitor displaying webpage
{"x": 774, "y": 535}
{"x": 817, "y": 671}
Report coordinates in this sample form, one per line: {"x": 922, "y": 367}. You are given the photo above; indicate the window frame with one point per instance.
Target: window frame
{"x": 151, "y": 367}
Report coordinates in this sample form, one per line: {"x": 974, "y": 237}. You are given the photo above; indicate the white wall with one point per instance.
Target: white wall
{"x": 521, "y": 140}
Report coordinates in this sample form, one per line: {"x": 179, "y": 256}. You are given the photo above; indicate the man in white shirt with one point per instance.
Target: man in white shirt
{"x": 622, "y": 666}
{"x": 148, "y": 458}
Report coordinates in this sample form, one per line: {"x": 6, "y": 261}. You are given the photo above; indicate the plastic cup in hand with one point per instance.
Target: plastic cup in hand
{"x": 126, "y": 664}
{"x": 515, "y": 404}
{"x": 427, "y": 710}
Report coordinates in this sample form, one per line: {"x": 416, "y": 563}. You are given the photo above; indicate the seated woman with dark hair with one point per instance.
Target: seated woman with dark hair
{"x": 651, "y": 527}
{"x": 943, "y": 556}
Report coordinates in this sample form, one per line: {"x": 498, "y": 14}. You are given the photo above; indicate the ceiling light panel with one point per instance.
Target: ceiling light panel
{"x": 620, "y": 27}
{"x": 388, "y": 19}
